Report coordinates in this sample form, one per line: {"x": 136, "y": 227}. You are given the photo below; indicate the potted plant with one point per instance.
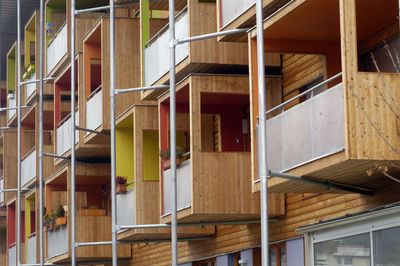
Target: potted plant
{"x": 121, "y": 184}
{"x": 166, "y": 156}
{"x": 60, "y": 214}
{"x": 46, "y": 220}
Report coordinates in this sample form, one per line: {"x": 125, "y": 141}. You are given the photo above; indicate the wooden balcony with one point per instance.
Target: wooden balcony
{"x": 95, "y": 97}
{"x": 137, "y": 141}
{"x": 345, "y": 133}
{"x": 58, "y": 41}
{"x": 30, "y": 143}
{"x": 197, "y": 57}
{"x": 62, "y": 118}
{"x": 30, "y": 92}
{"x": 93, "y": 220}
{"x": 212, "y": 129}
{"x": 237, "y": 14}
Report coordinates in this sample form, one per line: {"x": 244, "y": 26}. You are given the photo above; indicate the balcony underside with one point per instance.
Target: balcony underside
{"x": 352, "y": 173}
{"x": 88, "y": 152}
{"x": 186, "y": 67}
{"x": 165, "y": 233}
{"x": 93, "y": 138}
{"x": 159, "y": 5}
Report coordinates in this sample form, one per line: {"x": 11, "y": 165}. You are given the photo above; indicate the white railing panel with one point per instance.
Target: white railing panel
{"x": 12, "y": 102}
{"x": 30, "y": 88}
{"x": 307, "y": 132}
{"x": 126, "y": 207}
{"x": 57, "y": 241}
{"x": 94, "y": 111}
{"x": 12, "y": 256}
{"x": 156, "y": 56}
{"x": 57, "y": 49}
{"x": 232, "y": 9}
{"x": 184, "y": 186}
{"x": 31, "y": 252}
{"x": 1, "y": 188}
{"x": 28, "y": 168}
{"x": 64, "y": 135}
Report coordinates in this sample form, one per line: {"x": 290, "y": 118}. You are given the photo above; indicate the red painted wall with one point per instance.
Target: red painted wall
{"x": 11, "y": 224}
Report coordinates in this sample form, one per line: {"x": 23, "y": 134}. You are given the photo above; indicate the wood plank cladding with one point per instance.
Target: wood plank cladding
{"x": 229, "y": 239}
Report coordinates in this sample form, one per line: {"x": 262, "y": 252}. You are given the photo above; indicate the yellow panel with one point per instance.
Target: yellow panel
{"x": 151, "y": 170}
{"x": 124, "y": 153}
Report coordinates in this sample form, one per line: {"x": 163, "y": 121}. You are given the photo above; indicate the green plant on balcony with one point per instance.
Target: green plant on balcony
{"x": 121, "y": 184}
{"x": 166, "y": 156}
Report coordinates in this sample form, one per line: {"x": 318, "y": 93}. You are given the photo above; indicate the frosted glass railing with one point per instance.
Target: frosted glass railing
{"x": 57, "y": 48}
{"x": 12, "y": 102}
{"x": 184, "y": 186}
{"x": 1, "y": 188}
{"x": 57, "y": 241}
{"x": 12, "y": 256}
{"x": 28, "y": 167}
{"x": 64, "y": 134}
{"x": 31, "y": 252}
{"x": 231, "y": 9}
{"x": 126, "y": 207}
{"x": 94, "y": 111}
{"x": 30, "y": 88}
{"x": 156, "y": 55}
{"x": 306, "y": 132}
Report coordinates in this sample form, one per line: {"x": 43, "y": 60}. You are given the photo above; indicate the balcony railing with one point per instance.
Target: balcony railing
{"x": 57, "y": 241}
{"x": 31, "y": 252}
{"x": 1, "y": 188}
{"x": 64, "y": 129}
{"x": 31, "y": 87}
{"x": 28, "y": 167}
{"x": 12, "y": 102}
{"x": 58, "y": 48}
{"x": 156, "y": 53}
{"x": 232, "y": 9}
{"x": 308, "y": 131}
{"x": 184, "y": 184}
{"x": 12, "y": 255}
{"x": 126, "y": 207}
{"x": 94, "y": 109}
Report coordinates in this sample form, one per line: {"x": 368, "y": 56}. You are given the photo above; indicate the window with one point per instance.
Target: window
{"x": 208, "y": 262}
{"x": 387, "y": 247}
{"x": 277, "y": 255}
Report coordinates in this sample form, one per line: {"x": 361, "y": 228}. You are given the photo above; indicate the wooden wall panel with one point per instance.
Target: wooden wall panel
{"x": 10, "y": 163}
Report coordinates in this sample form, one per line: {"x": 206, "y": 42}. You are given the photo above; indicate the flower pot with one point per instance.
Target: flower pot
{"x": 61, "y": 220}
{"x": 167, "y": 163}
{"x": 121, "y": 188}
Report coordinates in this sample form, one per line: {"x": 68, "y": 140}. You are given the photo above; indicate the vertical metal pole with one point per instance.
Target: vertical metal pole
{"x": 113, "y": 141}
{"x": 262, "y": 141}
{"x": 72, "y": 211}
{"x": 41, "y": 45}
{"x": 19, "y": 131}
{"x": 172, "y": 110}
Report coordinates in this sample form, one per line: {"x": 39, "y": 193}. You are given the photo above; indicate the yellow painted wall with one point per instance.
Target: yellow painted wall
{"x": 124, "y": 153}
{"x": 151, "y": 171}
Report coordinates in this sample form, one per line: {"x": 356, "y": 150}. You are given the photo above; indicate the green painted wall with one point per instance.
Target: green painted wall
{"x": 151, "y": 171}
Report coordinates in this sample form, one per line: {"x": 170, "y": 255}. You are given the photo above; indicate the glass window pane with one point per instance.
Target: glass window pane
{"x": 282, "y": 251}
{"x": 387, "y": 247}
{"x": 348, "y": 251}
{"x": 272, "y": 257}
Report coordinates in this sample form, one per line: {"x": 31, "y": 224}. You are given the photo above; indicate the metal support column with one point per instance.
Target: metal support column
{"x": 262, "y": 140}
{"x": 72, "y": 211}
{"x": 41, "y": 78}
{"x": 19, "y": 132}
{"x": 172, "y": 111}
{"x": 113, "y": 140}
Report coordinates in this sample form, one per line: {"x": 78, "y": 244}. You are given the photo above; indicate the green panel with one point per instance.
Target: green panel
{"x": 124, "y": 153}
{"x": 151, "y": 171}
{"x": 11, "y": 78}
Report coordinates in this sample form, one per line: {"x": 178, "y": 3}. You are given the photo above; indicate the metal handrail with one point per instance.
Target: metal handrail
{"x": 56, "y": 34}
{"x": 160, "y": 32}
{"x": 93, "y": 93}
{"x": 282, "y": 105}
{"x": 66, "y": 118}
{"x": 28, "y": 153}
{"x": 32, "y": 235}
{"x": 12, "y": 245}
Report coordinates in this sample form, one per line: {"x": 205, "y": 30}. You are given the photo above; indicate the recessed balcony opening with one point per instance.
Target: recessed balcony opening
{"x": 12, "y": 82}
{"x": 29, "y": 71}
{"x": 11, "y": 231}
{"x": 378, "y": 39}
{"x": 62, "y": 110}
{"x": 30, "y": 225}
